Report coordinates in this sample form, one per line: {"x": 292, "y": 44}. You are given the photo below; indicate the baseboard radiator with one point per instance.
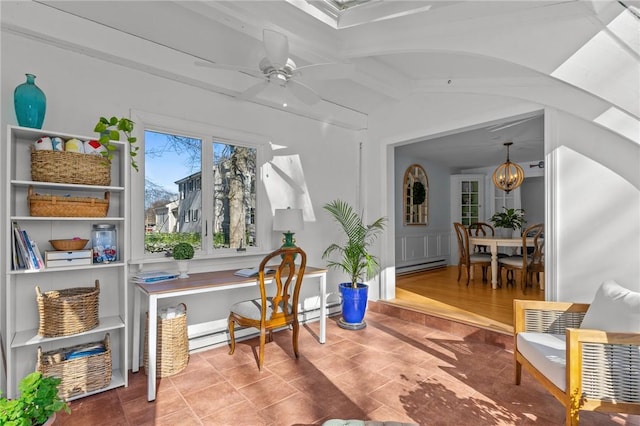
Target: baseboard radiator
{"x": 423, "y": 266}
{"x": 212, "y": 334}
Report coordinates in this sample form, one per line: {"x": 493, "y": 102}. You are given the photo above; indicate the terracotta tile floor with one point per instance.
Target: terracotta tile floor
{"x": 392, "y": 370}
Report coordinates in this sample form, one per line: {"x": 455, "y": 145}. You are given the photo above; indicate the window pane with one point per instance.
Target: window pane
{"x": 172, "y": 195}
{"x": 234, "y": 178}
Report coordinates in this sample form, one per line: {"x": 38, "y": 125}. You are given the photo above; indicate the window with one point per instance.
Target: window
{"x": 214, "y": 210}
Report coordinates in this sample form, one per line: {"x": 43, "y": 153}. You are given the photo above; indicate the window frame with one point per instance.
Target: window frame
{"x": 208, "y": 134}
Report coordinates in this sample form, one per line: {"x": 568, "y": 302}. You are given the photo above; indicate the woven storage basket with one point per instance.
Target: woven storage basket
{"x": 68, "y": 311}
{"x": 172, "y": 346}
{"x": 55, "y": 206}
{"x": 70, "y": 167}
{"x": 78, "y": 375}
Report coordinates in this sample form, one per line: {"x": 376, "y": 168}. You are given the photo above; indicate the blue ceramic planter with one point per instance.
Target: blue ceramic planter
{"x": 354, "y": 305}
{"x": 30, "y": 103}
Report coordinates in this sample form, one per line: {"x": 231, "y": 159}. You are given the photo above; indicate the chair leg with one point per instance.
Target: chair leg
{"x": 518, "y": 373}
{"x": 468, "y": 274}
{"x": 263, "y": 336}
{"x": 232, "y": 336}
{"x": 296, "y": 331}
{"x": 572, "y": 417}
{"x": 459, "y": 271}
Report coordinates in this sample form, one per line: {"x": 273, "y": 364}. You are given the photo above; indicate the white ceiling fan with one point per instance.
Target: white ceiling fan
{"x": 278, "y": 68}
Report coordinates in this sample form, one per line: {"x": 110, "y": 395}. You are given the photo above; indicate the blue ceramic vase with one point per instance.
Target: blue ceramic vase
{"x": 30, "y": 103}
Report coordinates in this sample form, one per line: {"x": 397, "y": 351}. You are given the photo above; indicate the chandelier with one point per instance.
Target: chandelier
{"x": 508, "y": 175}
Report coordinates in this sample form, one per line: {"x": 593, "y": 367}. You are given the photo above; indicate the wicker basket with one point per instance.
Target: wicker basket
{"x": 68, "y": 244}
{"x": 78, "y": 375}
{"x": 172, "y": 346}
{"x": 56, "y": 206}
{"x": 68, "y": 311}
{"x": 70, "y": 167}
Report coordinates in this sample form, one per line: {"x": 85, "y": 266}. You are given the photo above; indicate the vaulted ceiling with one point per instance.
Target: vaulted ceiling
{"x": 399, "y": 48}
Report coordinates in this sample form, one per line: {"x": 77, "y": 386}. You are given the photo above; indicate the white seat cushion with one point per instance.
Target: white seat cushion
{"x": 547, "y": 353}
{"x": 614, "y": 309}
{"x": 480, "y": 258}
{"x": 513, "y": 260}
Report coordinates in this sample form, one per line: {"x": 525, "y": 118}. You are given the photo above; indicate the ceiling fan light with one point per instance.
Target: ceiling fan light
{"x": 508, "y": 176}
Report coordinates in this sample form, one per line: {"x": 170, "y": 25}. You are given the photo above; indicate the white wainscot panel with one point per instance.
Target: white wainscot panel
{"x": 422, "y": 251}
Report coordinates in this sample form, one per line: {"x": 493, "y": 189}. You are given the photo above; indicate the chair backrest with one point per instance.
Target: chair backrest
{"x": 535, "y": 251}
{"x": 481, "y": 229}
{"x": 463, "y": 243}
{"x": 287, "y": 279}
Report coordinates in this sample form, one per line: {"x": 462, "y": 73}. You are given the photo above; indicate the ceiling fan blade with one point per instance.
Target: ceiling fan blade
{"x": 253, "y": 91}
{"x": 329, "y": 71}
{"x": 303, "y": 92}
{"x": 244, "y": 70}
{"x": 276, "y": 46}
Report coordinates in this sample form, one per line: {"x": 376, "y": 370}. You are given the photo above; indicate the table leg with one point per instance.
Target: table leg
{"x": 323, "y": 308}
{"x": 541, "y": 278}
{"x": 151, "y": 347}
{"x": 135, "y": 361}
{"x": 494, "y": 266}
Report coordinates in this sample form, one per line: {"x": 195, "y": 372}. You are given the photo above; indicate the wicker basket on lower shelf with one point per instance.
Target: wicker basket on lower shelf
{"x": 68, "y": 311}
{"x": 172, "y": 346}
{"x": 79, "y": 375}
{"x": 46, "y": 205}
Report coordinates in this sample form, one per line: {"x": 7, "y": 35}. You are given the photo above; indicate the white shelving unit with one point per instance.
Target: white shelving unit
{"x": 20, "y": 333}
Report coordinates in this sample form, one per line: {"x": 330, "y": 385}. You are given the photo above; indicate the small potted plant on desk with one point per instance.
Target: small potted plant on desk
{"x": 355, "y": 261}
{"x": 509, "y": 219}
{"x": 37, "y": 405}
{"x": 182, "y": 252}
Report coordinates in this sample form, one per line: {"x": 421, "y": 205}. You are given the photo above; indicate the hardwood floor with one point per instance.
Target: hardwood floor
{"x": 438, "y": 292}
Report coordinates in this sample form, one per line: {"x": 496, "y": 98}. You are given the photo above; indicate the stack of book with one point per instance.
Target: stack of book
{"x": 154, "y": 277}
{"x": 26, "y": 254}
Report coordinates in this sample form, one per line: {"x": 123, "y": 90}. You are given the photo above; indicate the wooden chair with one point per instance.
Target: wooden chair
{"x": 277, "y": 310}
{"x": 467, "y": 259}
{"x": 583, "y": 368}
{"x": 530, "y": 261}
{"x": 482, "y": 229}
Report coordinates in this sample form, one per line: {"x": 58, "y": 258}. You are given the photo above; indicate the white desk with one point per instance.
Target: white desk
{"x": 195, "y": 284}
{"x": 493, "y": 243}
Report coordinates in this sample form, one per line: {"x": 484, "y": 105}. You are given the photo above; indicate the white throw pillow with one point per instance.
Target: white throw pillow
{"x": 614, "y": 309}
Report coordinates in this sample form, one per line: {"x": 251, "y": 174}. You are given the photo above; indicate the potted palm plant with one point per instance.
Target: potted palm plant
{"x": 354, "y": 260}
{"x": 182, "y": 252}
{"x": 37, "y": 405}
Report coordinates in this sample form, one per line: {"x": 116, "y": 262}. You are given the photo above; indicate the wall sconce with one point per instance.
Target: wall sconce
{"x": 508, "y": 176}
{"x": 288, "y": 220}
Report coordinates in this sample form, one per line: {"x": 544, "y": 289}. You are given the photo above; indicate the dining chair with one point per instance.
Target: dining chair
{"x": 467, "y": 259}
{"x": 482, "y": 229}
{"x": 530, "y": 260}
{"x": 278, "y": 304}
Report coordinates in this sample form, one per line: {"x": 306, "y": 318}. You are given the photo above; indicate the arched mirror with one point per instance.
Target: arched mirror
{"x": 415, "y": 196}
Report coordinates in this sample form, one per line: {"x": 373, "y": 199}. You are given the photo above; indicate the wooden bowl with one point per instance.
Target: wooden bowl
{"x": 68, "y": 245}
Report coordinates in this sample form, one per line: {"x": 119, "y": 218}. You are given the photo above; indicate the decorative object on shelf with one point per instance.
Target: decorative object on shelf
{"x": 68, "y": 311}
{"x": 69, "y": 244}
{"x": 355, "y": 260}
{"x": 172, "y": 344}
{"x": 109, "y": 130}
{"x": 88, "y": 369}
{"x": 104, "y": 240}
{"x": 63, "y": 259}
{"x": 508, "y": 176}
{"x": 38, "y": 402}
{"x": 415, "y": 201}
{"x": 288, "y": 220}
{"x": 68, "y": 167}
{"x": 509, "y": 219}
{"x": 45, "y": 205}
{"x": 30, "y": 103}
{"x": 182, "y": 252}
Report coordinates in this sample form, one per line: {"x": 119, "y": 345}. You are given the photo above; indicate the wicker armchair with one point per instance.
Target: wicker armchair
{"x": 602, "y": 371}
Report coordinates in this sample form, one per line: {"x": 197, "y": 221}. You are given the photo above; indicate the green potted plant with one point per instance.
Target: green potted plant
{"x": 109, "y": 129}
{"x": 354, "y": 260}
{"x": 37, "y": 405}
{"x": 182, "y": 252}
{"x": 509, "y": 219}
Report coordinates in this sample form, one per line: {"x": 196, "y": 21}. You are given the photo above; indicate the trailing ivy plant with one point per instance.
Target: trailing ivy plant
{"x": 109, "y": 129}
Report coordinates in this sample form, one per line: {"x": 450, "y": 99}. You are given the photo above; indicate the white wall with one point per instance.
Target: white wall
{"x": 592, "y": 187}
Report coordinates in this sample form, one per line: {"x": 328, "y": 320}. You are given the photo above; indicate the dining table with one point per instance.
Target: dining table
{"x": 493, "y": 242}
